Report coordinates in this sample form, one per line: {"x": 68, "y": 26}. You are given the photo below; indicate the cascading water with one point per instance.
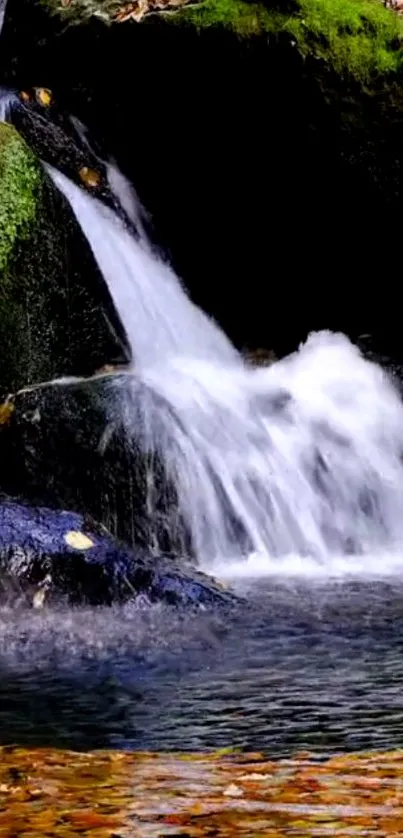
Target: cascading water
{"x": 8, "y": 100}
{"x": 159, "y": 319}
{"x": 300, "y": 459}
{"x": 3, "y": 4}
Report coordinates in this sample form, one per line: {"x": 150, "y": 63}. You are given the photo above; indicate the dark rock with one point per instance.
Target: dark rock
{"x": 57, "y": 317}
{"x": 50, "y": 555}
{"x": 65, "y": 446}
{"x": 62, "y": 141}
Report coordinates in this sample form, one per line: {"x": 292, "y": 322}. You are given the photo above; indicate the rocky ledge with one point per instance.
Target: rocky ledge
{"x": 362, "y": 37}
{"x": 51, "y": 555}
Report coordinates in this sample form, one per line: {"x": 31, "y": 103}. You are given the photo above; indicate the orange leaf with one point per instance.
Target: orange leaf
{"x": 43, "y": 96}
{"x": 91, "y": 820}
{"x": 90, "y": 177}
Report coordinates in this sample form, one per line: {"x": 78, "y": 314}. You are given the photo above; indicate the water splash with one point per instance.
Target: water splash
{"x": 158, "y": 317}
{"x": 8, "y": 99}
{"x": 3, "y": 4}
{"x": 300, "y": 459}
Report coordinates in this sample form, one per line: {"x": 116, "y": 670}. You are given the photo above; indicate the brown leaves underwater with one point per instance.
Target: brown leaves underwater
{"x": 112, "y": 794}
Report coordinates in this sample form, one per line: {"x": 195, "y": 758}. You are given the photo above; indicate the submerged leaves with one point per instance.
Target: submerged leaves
{"x": 100, "y": 795}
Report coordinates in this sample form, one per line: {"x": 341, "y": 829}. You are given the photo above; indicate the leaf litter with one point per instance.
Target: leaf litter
{"x": 46, "y": 793}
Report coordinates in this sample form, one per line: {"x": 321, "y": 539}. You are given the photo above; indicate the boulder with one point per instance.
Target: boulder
{"x": 49, "y": 556}
{"x": 61, "y": 141}
{"x": 65, "y": 446}
{"x": 56, "y": 315}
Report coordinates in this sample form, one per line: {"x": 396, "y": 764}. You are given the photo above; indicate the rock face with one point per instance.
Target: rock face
{"x": 48, "y": 556}
{"x": 61, "y": 141}
{"x": 357, "y": 36}
{"x": 56, "y": 316}
{"x": 304, "y": 123}
{"x": 64, "y": 446}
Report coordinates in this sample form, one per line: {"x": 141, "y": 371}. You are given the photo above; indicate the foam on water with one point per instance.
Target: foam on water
{"x": 302, "y": 459}
{"x": 256, "y": 566}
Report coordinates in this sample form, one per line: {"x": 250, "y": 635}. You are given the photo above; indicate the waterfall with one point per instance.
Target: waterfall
{"x": 156, "y": 313}
{"x": 8, "y": 99}
{"x": 3, "y": 4}
{"x": 303, "y": 458}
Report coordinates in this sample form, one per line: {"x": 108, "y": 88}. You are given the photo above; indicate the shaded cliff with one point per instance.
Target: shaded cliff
{"x": 270, "y": 163}
{"x": 56, "y": 317}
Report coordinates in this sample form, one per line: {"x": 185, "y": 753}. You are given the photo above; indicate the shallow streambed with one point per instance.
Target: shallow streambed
{"x": 106, "y": 795}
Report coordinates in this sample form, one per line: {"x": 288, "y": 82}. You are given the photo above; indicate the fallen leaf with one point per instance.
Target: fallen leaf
{"x": 90, "y": 177}
{"x": 78, "y": 540}
{"x": 6, "y": 411}
{"x": 43, "y": 96}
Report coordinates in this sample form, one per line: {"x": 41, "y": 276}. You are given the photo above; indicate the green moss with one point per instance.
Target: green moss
{"x": 359, "y": 37}
{"x": 20, "y": 187}
{"x": 242, "y": 17}
{"x": 54, "y": 308}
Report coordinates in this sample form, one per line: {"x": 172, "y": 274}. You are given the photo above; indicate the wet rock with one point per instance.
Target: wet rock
{"x": 109, "y": 11}
{"x": 65, "y": 446}
{"x": 60, "y": 140}
{"x": 51, "y": 555}
{"x": 56, "y": 315}
{"x": 261, "y": 357}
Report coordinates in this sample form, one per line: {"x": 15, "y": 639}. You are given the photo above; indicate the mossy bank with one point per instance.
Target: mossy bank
{"x": 360, "y": 37}
{"x": 49, "y": 285}
{"x": 21, "y": 185}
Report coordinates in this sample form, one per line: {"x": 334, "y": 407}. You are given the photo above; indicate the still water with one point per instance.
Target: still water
{"x": 303, "y": 664}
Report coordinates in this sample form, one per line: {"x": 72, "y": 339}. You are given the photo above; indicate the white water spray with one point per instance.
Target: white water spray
{"x": 156, "y": 313}
{"x": 302, "y": 458}
{"x": 8, "y": 99}
{"x": 3, "y": 4}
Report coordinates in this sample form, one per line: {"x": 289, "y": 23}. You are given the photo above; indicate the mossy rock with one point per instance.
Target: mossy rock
{"x": 358, "y": 37}
{"x": 362, "y": 38}
{"x": 56, "y": 316}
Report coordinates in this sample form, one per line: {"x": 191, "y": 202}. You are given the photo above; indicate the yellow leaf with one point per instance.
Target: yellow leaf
{"x": 24, "y": 96}
{"x": 90, "y": 177}
{"x": 43, "y": 96}
{"x": 78, "y": 540}
{"x": 6, "y": 411}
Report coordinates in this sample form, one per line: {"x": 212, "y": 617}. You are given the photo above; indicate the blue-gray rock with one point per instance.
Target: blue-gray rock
{"x": 48, "y": 555}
